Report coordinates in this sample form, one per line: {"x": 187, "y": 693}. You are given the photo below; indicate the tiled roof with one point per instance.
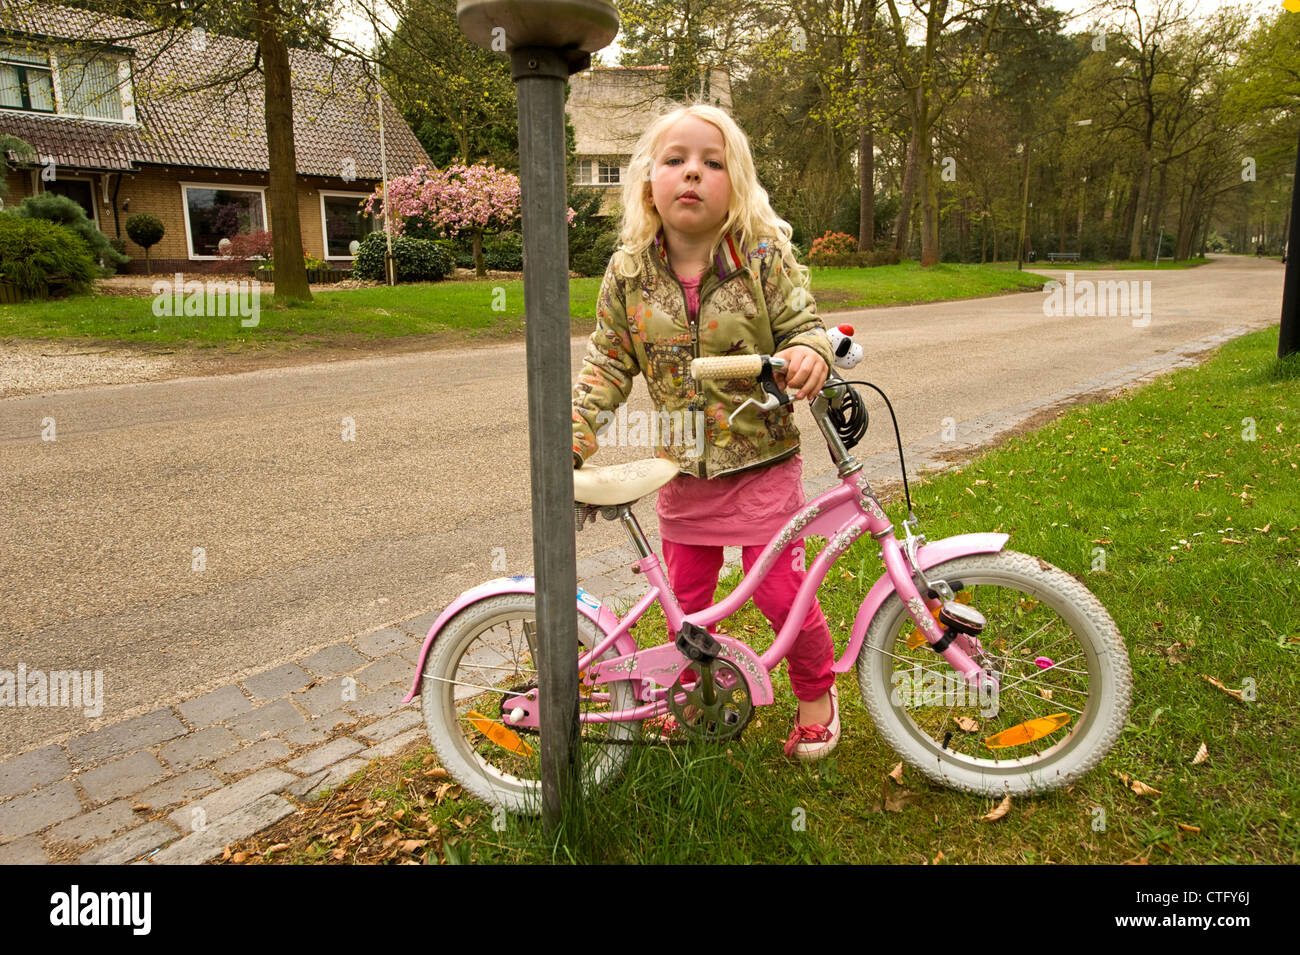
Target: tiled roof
{"x": 335, "y": 115}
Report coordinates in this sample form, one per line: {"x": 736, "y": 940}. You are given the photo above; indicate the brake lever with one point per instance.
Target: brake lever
{"x": 775, "y": 396}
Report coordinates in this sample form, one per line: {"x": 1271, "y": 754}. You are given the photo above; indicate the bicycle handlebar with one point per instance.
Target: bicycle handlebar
{"x": 733, "y": 366}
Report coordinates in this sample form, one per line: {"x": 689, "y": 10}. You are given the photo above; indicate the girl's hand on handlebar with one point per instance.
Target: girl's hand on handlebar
{"x": 806, "y": 371}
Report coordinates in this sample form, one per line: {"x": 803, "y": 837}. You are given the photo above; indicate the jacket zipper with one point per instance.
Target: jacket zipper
{"x": 694, "y": 325}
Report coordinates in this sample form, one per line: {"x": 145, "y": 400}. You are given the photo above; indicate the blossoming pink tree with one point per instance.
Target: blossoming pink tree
{"x": 481, "y": 200}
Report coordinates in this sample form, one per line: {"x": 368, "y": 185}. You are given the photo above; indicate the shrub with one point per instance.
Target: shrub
{"x": 36, "y": 254}
{"x": 417, "y": 260}
{"x": 65, "y": 212}
{"x": 832, "y": 244}
{"x": 249, "y": 245}
{"x": 146, "y": 231}
{"x": 119, "y": 246}
{"x": 504, "y": 252}
{"x": 593, "y": 259}
{"x": 846, "y": 260}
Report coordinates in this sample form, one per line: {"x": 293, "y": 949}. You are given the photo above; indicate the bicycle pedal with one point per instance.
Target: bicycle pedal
{"x": 697, "y": 644}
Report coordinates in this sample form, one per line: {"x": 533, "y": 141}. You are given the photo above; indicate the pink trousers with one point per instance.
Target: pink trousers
{"x": 693, "y": 575}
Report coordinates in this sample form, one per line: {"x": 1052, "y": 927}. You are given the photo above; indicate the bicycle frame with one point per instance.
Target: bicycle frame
{"x": 840, "y": 514}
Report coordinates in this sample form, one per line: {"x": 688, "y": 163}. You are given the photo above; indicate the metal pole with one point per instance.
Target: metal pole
{"x": 1288, "y": 339}
{"x": 390, "y": 268}
{"x": 540, "y": 75}
{"x": 548, "y": 41}
{"x": 1024, "y": 209}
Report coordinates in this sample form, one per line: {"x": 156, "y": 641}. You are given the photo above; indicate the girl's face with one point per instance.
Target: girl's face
{"x": 689, "y": 183}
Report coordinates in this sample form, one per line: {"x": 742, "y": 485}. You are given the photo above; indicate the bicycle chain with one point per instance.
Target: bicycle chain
{"x": 642, "y": 741}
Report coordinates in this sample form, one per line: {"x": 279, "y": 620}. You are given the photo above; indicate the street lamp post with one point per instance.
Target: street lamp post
{"x": 1288, "y": 339}
{"x": 1024, "y": 195}
{"x": 547, "y": 42}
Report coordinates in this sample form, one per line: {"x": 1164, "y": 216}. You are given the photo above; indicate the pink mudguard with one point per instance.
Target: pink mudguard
{"x": 927, "y": 556}
{"x": 588, "y": 605}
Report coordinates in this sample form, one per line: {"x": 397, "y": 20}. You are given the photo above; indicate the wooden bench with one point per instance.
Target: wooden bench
{"x": 1063, "y": 256}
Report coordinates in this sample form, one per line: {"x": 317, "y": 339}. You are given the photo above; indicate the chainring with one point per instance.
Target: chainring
{"x": 717, "y": 706}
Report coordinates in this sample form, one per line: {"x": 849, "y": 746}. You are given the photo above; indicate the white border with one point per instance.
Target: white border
{"x": 185, "y": 208}
{"x": 324, "y": 236}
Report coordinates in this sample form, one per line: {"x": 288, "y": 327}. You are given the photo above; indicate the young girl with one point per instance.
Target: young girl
{"x": 704, "y": 268}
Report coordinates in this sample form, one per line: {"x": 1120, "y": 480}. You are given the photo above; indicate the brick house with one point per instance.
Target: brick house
{"x": 609, "y": 107}
{"x": 111, "y": 132}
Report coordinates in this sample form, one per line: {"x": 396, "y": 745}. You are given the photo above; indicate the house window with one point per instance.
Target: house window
{"x": 213, "y": 213}
{"x": 91, "y": 88}
{"x": 584, "y": 172}
{"x": 26, "y": 81}
{"x": 343, "y": 222}
{"x": 608, "y": 173}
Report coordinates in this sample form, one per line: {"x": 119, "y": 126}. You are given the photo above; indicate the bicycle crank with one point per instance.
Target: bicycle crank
{"x": 716, "y": 705}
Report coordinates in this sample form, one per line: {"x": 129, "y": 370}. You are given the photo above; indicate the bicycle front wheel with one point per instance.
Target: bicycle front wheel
{"x": 485, "y": 655}
{"x": 1063, "y": 672}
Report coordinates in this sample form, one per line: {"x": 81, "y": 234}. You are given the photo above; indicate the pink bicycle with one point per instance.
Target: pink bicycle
{"x": 988, "y": 670}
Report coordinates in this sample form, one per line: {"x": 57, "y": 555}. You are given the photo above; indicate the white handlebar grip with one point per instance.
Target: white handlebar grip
{"x": 727, "y": 366}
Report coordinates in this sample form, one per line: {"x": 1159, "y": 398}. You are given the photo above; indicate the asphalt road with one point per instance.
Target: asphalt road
{"x": 308, "y": 539}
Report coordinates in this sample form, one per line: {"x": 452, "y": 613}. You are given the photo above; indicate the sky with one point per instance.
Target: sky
{"x": 358, "y": 29}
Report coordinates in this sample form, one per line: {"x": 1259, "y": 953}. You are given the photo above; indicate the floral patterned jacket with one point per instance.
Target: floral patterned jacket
{"x": 749, "y": 304}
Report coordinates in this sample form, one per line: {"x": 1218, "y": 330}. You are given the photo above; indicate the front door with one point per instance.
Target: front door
{"x": 79, "y": 191}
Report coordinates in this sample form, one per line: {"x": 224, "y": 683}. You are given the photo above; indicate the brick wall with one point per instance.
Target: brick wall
{"x": 157, "y": 190}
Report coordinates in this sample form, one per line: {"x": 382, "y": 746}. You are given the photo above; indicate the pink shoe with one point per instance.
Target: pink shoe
{"x": 816, "y": 741}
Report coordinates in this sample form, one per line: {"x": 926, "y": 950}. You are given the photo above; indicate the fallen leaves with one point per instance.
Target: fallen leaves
{"x": 997, "y": 812}
{"x": 1202, "y": 754}
{"x": 1138, "y": 787}
{"x": 1235, "y": 694}
{"x": 966, "y": 725}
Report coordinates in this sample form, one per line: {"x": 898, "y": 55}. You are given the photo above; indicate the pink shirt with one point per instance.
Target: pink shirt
{"x": 739, "y": 509}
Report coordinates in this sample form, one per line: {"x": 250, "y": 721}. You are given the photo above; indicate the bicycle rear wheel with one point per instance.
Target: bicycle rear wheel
{"x": 486, "y": 654}
{"x": 1064, "y": 681}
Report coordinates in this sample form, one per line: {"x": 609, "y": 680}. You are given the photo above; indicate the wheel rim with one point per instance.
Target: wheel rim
{"x": 1027, "y": 627}
{"x": 493, "y": 661}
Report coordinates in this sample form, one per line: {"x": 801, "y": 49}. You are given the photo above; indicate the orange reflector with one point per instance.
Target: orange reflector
{"x": 917, "y": 639}
{"x": 1028, "y": 731}
{"x": 503, "y": 736}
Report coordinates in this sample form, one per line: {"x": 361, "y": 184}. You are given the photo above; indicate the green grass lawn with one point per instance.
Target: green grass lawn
{"x": 1188, "y": 486}
{"x": 451, "y": 312}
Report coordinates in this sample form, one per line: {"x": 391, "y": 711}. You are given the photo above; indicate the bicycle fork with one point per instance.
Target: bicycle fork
{"x": 950, "y": 644}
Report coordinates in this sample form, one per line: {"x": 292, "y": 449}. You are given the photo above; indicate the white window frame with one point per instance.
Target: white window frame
{"x": 125, "y": 92}
{"x": 602, "y": 166}
{"x": 324, "y": 235}
{"x": 185, "y": 208}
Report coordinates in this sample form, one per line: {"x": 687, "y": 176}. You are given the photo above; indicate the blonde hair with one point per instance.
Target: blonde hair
{"x": 749, "y": 210}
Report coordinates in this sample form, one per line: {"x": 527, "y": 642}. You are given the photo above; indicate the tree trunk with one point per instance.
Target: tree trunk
{"x": 1140, "y": 210}
{"x": 1078, "y": 231}
{"x": 866, "y": 140}
{"x": 286, "y": 232}
{"x": 1157, "y": 213}
{"x": 929, "y": 204}
{"x": 903, "y": 221}
{"x": 480, "y": 269}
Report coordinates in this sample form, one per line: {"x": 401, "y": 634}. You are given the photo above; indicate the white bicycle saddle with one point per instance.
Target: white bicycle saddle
{"x": 621, "y": 483}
